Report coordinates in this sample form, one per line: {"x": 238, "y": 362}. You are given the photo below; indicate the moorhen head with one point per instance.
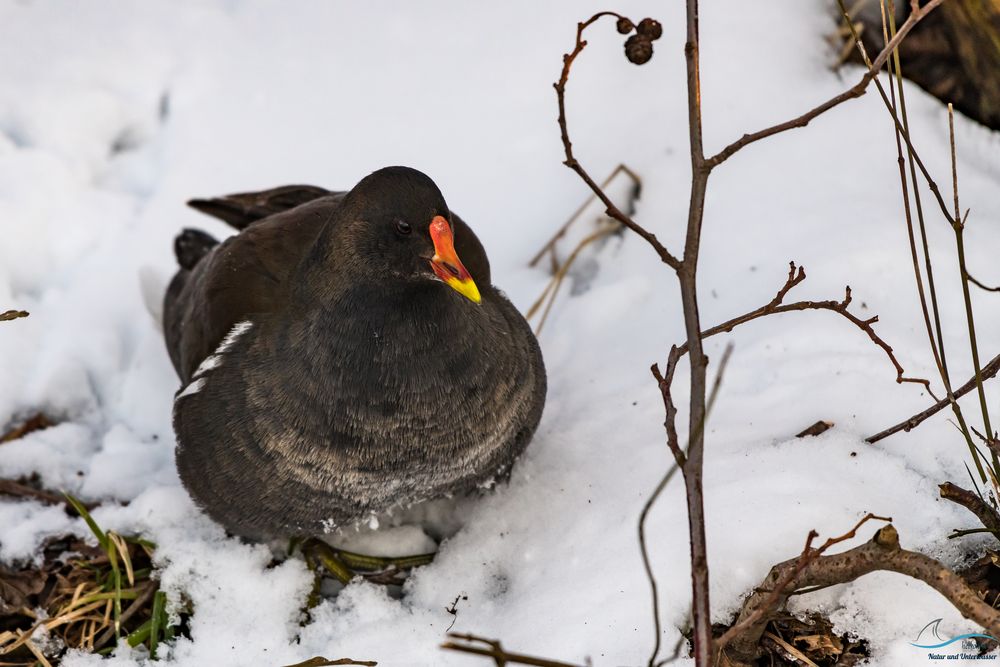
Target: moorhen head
{"x": 343, "y": 354}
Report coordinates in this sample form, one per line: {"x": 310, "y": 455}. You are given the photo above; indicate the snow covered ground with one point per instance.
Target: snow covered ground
{"x": 113, "y": 113}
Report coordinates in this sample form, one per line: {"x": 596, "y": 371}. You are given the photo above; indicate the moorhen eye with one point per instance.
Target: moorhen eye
{"x": 403, "y": 228}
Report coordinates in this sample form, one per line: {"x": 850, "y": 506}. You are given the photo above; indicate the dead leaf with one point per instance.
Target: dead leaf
{"x": 820, "y": 646}
{"x": 817, "y": 428}
{"x": 17, "y": 587}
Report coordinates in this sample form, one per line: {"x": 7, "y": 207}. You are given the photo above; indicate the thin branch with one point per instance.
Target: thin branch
{"x": 980, "y": 285}
{"x": 882, "y": 552}
{"x": 491, "y": 648}
{"x": 856, "y": 91}
{"x": 959, "y": 228}
{"x": 986, "y": 514}
{"x": 572, "y": 162}
{"x": 687, "y": 277}
{"x": 10, "y": 487}
{"x": 680, "y": 458}
{"x": 795, "y": 276}
{"x": 988, "y": 371}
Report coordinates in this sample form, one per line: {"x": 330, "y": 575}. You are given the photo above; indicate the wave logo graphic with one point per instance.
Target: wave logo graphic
{"x": 932, "y": 635}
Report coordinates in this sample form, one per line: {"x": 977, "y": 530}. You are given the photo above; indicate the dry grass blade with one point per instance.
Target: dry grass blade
{"x": 38, "y": 654}
{"x": 123, "y": 552}
{"x": 552, "y": 289}
{"x": 549, "y": 246}
{"x": 791, "y": 652}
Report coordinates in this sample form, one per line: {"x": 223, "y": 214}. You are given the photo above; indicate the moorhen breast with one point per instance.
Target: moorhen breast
{"x": 338, "y": 358}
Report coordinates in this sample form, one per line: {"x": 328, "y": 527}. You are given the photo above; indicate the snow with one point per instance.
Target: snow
{"x": 112, "y": 115}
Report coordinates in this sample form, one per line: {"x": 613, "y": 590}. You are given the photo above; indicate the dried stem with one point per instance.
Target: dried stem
{"x": 491, "y": 648}
{"x": 550, "y": 244}
{"x": 959, "y": 226}
{"x": 937, "y": 344}
{"x": 548, "y": 296}
{"x": 957, "y": 222}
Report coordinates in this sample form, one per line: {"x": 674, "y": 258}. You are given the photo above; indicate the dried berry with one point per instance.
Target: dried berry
{"x": 638, "y": 49}
{"x": 650, "y": 28}
{"x": 625, "y": 26}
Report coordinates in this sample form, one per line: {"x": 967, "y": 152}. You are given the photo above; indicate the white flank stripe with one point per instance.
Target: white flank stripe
{"x": 214, "y": 359}
{"x": 192, "y": 388}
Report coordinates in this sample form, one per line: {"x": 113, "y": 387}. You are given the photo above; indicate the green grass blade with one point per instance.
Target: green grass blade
{"x": 102, "y": 539}
{"x": 158, "y": 621}
{"x": 140, "y": 634}
{"x": 116, "y": 584}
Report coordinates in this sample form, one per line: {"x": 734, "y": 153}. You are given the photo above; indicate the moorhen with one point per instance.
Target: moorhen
{"x": 338, "y": 359}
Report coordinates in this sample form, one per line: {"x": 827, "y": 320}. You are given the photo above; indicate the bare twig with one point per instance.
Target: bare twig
{"x": 989, "y": 371}
{"x": 646, "y": 564}
{"x": 795, "y": 276}
{"x": 572, "y": 162}
{"x": 856, "y": 91}
{"x": 491, "y": 648}
{"x": 882, "y": 552}
{"x": 10, "y": 487}
{"x": 959, "y": 227}
{"x": 982, "y": 286}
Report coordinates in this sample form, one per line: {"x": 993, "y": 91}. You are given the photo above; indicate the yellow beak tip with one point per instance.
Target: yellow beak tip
{"x": 466, "y": 288}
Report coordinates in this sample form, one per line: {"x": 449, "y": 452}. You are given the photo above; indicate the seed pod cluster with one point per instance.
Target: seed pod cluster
{"x": 639, "y": 47}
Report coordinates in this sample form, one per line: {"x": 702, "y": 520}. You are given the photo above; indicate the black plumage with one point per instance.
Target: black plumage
{"x": 335, "y": 363}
